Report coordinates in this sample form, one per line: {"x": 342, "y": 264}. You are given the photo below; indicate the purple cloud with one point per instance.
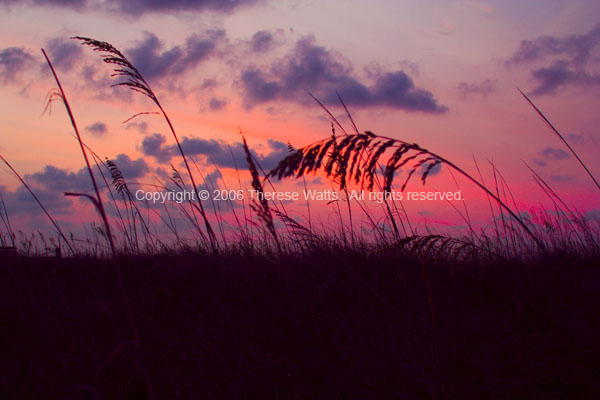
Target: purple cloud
{"x": 131, "y": 169}
{"x": 97, "y": 129}
{"x": 139, "y": 7}
{"x": 154, "y": 61}
{"x": 154, "y": 146}
{"x": 13, "y": 61}
{"x": 578, "y": 48}
{"x": 214, "y": 151}
{"x": 481, "y": 89}
{"x": 50, "y": 184}
{"x": 553, "y": 154}
{"x": 63, "y": 53}
{"x": 572, "y": 60}
{"x": 549, "y": 79}
{"x": 262, "y": 41}
{"x": 217, "y": 104}
{"x": 323, "y": 73}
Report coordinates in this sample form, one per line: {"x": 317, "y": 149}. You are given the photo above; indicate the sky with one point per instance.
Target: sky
{"x": 443, "y": 74}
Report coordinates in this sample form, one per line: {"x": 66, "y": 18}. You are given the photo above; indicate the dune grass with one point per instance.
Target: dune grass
{"x": 332, "y": 322}
{"x": 288, "y": 310}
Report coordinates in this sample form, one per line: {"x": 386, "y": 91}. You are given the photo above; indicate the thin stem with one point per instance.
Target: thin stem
{"x": 209, "y": 230}
{"x": 561, "y": 137}
{"x": 39, "y": 203}
{"x": 87, "y": 162}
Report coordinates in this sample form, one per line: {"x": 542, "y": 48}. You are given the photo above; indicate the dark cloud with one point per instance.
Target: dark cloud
{"x": 63, "y": 53}
{"x": 61, "y": 180}
{"x": 323, "y": 73}
{"x": 141, "y": 127}
{"x": 50, "y": 184}
{"x": 257, "y": 88}
{"x": 562, "y": 178}
{"x": 13, "y": 61}
{"x": 137, "y": 7}
{"x": 211, "y": 180}
{"x": 549, "y": 79}
{"x": 154, "y": 146}
{"x": 99, "y": 82}
{"x": 216, "y": 152}
{"x": 140, "y": 7}
{"x": 261, "y": 42}
{"x": 131, "y": 169}
{"x": 209, "y": 84}
{"x": 581, "y": 138}
{"x": 310, "y": 182}
{"x": 483, "y": 88}
{"x": 552, "y": 154}
{"x": 578, "y": 48}
{"x": 154, "y": 61}
{"x": 575, "y": 138}
{"x": 569, "y": 60}
{"x": 21, "y": 202}
{"x": 97, "y": 129}
{"x": 72, "y": 4}
{"x": 217, "y": 104}
{"x": 436, "y": 170}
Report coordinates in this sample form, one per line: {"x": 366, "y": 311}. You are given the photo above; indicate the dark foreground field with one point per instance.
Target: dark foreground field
{"x": 322, "y": 325}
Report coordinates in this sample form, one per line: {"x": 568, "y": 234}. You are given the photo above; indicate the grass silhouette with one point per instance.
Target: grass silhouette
{"x": 290, "y": 311}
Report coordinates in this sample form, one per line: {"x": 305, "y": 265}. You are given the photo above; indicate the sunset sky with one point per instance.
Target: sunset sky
{"x": 440, "y": 73}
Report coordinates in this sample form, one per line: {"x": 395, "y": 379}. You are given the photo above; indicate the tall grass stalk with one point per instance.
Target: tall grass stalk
{"x": 561, "y": 138}
{"x": 343, "y": 163}
{"x": 6, "y": 222}
{"x": 60, "y": 232}
{"x": 98, "y": 203}
{"x": 136, "y": 82}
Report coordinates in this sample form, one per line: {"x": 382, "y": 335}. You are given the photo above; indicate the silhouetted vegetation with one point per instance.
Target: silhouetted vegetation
{"x": 272, "y": 307}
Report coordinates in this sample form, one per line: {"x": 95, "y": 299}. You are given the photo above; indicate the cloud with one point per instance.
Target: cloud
{"x": 131, "y": 169}
{"x": 482, "y": 89}
{"x": 214, "y": 151}
{"x": 582, "y": 138}
{"x": 72, "y": 4}
{"x": 155, "y": 62}
{"x": 262, "y": 42}
{"x": 61, "y": 180}
{"x": 137, "y": 7}
{"x": 140, "y": 7}
{"x": 64, "y": 53}
{"x": 578, "y": 48}
{"x": 217, "y": 104}
{"x": 141, "y": 127}
{"x": 21, "y": 202}
{"x": 549, "y": 79}
{"x": 153, "y": 146}
{"x": 211, "y": 180}
{"x": 209, "y": 84}
{"x": 97, "y": 129}
{"x": 323, "y": 73}
{"x": 13, "y": 61}
{"x": 51, "y": 182}
{"x": 436, "y": 170}
{"x": 552, "y": 154}
{"x": 568, "y": 60}
{"x": 561, "y": 178}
